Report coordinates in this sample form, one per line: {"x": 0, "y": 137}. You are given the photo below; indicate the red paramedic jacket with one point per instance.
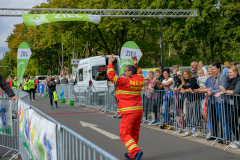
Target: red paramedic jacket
{"x": 128, "y": 91}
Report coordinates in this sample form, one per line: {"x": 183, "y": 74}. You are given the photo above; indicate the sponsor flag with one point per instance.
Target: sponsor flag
{"x": 23, "y": 56}
{"x": 31, "y": 20}
{"x": 129, "y": 49}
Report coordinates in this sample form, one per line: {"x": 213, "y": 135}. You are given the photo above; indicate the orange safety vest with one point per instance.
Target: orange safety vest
{"x": 128, "y": 91}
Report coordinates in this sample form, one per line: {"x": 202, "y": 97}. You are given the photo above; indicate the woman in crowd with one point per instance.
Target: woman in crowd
{"x": 177, "y": 80}
{"x": 52, "y": 87}
{"x": 191, "y": 105}
{"x": 167, "y": 84}
{"x": 146, "y": 97}
{"x": 160, "y": 91}
{"x": 8, "y": 80}
{"x": 208, "y": 110}
{"x": 201, "y": 66}
{"x": 233, "y": 87}
{"x": 221, "y": 111}
{"x": 179, "y": 97}
{"x": 227, "y": 66}
{"x": 153, "y": 95}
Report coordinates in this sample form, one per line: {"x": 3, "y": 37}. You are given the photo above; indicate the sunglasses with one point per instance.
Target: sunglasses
{"x": 146, "y": 79}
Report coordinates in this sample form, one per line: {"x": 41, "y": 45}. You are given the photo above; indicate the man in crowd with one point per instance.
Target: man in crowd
{"x": 14, "y": 83}
{"x": 32, "y": 88}
{"x": 194, "y": 68}
{"x": 57, "y": 81}
{"x": 129, "y": 105}
{"x": 64, "y": 80}
{"x": 233, "y": 64}
{"x": 26, "y": 87}
{"x": 36, "y": 84}
{"x": 4, "y": 85}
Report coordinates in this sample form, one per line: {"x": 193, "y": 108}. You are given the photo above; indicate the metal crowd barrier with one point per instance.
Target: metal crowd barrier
{"x": 9, "y": 137}
{"x": 66, "y": 91}
{"x": 22, "y": 95}
{"x": 196, "y": 114}
{"x": 70, "y": 145}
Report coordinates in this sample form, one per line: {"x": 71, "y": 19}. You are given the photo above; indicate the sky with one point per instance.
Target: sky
{"x": 7, "y": 23}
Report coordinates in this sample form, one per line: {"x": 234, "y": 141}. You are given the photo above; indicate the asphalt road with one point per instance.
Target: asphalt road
{"x": 154, "y": 143}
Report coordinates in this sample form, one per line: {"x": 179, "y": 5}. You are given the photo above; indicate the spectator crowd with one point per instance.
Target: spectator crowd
{"x": 196, "y": 100}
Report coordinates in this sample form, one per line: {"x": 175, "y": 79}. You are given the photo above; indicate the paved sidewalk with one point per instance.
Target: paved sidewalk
{"x": 3, "y": 151}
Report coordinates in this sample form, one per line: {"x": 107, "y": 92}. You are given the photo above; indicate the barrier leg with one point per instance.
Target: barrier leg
{"x": 15, "y": 156}
{"x": 214, "y": 142}
{"x": 7, "y": 153}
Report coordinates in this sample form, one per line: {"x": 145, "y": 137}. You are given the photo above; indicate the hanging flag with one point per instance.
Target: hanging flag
{"x": 129, "y": 49}
{"x": 31, "y": 20}
{"x": 24, "y": 54}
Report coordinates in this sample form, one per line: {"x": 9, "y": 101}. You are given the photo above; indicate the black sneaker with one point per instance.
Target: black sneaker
{"x": 211, "y": 139}
{"x": 162, "y": 126}
{"x": 127, "y": 156}
{"x": 117, "y": 116}
{"x": 222, "y": 142}
{"x": 138, "y": 156}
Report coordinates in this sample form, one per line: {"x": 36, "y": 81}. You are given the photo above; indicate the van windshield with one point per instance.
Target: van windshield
{"x": 41, "y": 78}
{"x": 99, "y": 73}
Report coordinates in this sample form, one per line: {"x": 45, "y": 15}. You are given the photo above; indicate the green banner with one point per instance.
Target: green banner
{"x": 31, "y": 20}
{"x": 129, "y": 49}
{"x": 24, "y": 54}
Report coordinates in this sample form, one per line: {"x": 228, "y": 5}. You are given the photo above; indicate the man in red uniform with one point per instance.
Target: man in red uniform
{"x": 129, "y": 105}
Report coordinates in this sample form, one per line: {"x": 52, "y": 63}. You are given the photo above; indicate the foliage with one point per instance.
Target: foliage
{"x": 212, "y": 36}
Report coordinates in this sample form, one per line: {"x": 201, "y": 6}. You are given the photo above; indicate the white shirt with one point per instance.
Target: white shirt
{"x": 204, "y": 70}
{"x": 166, "y": 81}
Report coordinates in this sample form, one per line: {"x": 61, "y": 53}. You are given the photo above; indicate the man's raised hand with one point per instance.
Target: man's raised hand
{"x": 111, "y": 59}
{"x": 134, "y": 60}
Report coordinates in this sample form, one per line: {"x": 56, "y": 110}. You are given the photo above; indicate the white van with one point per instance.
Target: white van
{"x": 92, "y": 72}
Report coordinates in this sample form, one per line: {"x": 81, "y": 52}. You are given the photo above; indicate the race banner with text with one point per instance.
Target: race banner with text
{"x": 6, "y": 117}
{"x": 129, "y": 49}
{"x": 23, "y": 56}
{"x": 31, "y": 20}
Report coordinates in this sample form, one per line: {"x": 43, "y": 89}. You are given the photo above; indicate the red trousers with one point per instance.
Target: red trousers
{"x": 129, "y": 132}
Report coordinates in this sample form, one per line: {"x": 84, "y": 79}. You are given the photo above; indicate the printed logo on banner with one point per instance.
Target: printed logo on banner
{"x": 131, "y": 54}
{"x": 94, "y": 18}
{"x": 40, "y": 148}
{"x": 3, "y": 112}
{"x": 5, "y": 118}
{"x": 24, "y": 54}
{"x": 49, "y": 147}
{"x": 26, "y": 128}
{"x": 37, "y": 19}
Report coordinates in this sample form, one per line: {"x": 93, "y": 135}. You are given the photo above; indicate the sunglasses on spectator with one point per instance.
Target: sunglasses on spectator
{"x": 146, "y": 79}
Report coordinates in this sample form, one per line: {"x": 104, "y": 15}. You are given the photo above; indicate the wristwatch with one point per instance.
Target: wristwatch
{"x": 225, "y": 91}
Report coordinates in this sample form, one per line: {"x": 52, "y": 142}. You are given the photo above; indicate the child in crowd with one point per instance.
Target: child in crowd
{"x": 201, "y": 78}
{"x": 201, "y": 81}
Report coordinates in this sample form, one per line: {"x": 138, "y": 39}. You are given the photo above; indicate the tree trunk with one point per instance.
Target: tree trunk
{"x": 220, "y": 52}
{"x": 211, "y": 45}
{"x": 60, "y": 63}
{"x": 203, "y": 48}
{"x": 156, "y": 55}
{"x": 39, "y": 72}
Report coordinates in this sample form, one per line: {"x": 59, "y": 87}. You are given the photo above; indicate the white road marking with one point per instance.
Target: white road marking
{"x": 94, "y": 127}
